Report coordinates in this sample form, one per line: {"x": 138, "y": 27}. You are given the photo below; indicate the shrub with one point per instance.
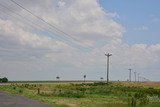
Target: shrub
{"x": 14, "y": 88}
{"x": 4, "y": 80}
{"x": 20, "y": 91}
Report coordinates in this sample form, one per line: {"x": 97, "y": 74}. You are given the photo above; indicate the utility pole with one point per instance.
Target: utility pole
{"x": 135, "y": 75}
{"x": 138, "y": 77}
{"x": 108, "y": 55}
{"x": 130, "y": 74}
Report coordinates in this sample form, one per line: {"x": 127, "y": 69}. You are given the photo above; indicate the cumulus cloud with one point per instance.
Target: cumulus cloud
{"x": 48, "y": 50}
{"x": 79, "y": 23}
{"x": 17, "y": 41}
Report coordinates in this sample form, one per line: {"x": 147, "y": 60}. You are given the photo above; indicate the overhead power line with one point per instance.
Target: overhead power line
{"x": 31, "y": 22}
{"x": 13, "y": 13}
{"x": 51, "y": 25}
{"x": 50, "y": 31}
{"x": 74, "y": 40}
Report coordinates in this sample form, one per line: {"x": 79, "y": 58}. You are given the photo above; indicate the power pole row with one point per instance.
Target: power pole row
{"x": 137, "y": 76}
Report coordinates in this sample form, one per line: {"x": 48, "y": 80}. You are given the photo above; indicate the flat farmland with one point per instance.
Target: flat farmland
{"x": 89, "y": 93}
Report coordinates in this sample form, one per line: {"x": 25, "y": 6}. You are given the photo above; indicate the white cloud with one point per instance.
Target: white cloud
{"x": 17, "y": 41}
{"x": 81, "y": 24}
{"x": 84, "y": 20}
{"x": 61, "y": 4}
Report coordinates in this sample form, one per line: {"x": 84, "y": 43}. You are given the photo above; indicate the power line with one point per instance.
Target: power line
{"x": 69, "y": 42}
{"x": 24, "y": 18}
{"x": 22, "y": 49}
{"x": 51, "y": 25}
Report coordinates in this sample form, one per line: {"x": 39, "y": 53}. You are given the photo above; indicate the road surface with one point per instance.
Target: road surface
{"x": 10, "y": 100}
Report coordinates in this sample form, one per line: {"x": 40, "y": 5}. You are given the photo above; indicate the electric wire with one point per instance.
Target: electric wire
{"x": 69, "y": 42}
{"x": 51, "y": 25}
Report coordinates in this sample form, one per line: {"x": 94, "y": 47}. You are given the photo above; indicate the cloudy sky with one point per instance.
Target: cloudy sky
{"x": 42, "y": 39}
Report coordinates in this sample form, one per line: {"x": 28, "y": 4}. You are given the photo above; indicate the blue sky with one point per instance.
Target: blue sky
{"x": 141, "y": 19}
{"x": 33, "y": 50}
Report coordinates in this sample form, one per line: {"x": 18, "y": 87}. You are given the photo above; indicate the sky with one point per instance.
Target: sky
{"x": 140, "y": 18}
{"x": 43, "y": 39}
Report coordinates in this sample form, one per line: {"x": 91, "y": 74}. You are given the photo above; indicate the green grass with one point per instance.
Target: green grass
{"x": 88, "y": 95}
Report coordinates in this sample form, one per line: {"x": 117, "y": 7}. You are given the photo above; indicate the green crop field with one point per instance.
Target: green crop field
{"x": 93, "y": 94}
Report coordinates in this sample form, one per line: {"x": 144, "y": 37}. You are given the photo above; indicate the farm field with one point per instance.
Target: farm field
{"x": 89, "y": 94}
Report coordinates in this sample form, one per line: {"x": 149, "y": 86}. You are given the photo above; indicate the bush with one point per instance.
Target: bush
{"x": 14, "y": 88}
{"x": 4, "y": 80}
{"x": 20, "y": 91}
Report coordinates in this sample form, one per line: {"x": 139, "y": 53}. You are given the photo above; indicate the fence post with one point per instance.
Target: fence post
{"x": 38, "y": 91}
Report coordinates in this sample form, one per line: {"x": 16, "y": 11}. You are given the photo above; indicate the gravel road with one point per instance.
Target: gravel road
{"x": 10, "y": 100}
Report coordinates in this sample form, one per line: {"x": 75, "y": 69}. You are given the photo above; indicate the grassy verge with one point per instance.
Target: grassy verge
{"x": 88, "y": 95}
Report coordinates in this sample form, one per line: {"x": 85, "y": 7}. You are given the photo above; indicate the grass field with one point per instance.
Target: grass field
{"x": 89, "y": 94}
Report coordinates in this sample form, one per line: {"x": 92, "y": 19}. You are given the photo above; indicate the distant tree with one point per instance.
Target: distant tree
{"x": 0, "y": 79}
{"x": 101, "y": 78}
{"x": 84, "y": 78}
{"x": 57, "y": 77}
{"x": 4, "y": 79}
